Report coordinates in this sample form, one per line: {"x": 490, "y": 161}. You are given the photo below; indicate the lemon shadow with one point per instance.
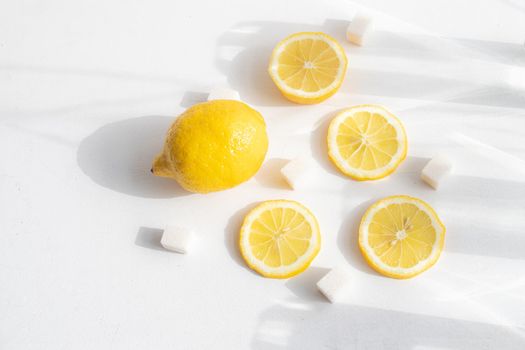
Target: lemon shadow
{"x": 232, "y": 232}
{"x": 118, "y": 156}
{"x": 319, "y": 145}
{"x": 348, "y": 237}
{"x": 247, "y": 71}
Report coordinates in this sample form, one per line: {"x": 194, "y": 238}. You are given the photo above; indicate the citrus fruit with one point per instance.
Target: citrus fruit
{"x": 213, "y": 146}
{"x": 308, "y": 67}
{"x": 279, "y": 238}
{"x": 366, "y": 142}
{"x": 401, "y": 236}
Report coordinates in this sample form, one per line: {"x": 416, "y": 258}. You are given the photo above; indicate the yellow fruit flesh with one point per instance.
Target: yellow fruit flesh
{"x": 367, "y": 141}
{"x": 279, "y": 236}
{"x": 401, "y": 235}
{"x": 308, "y": 65}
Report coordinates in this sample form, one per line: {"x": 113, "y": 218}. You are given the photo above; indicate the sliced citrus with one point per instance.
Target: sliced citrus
{"x": 401, "y": 236}
{"x": 366, "y": 142}
{"x": 308, "y": 67}
{"x": 279, "y": 238}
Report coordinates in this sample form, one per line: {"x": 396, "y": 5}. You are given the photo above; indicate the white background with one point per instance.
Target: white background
{"x": 87, "y": 90}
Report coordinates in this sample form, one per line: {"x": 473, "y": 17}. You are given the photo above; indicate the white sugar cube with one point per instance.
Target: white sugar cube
{"x": 334, "y": 284}
{"x": 297, "y": 172}
{"x": 359, "y": 28}
{"x": 223, "y": 93}
{"x": 436, "y": 170}
{"x": 176, "y": 239}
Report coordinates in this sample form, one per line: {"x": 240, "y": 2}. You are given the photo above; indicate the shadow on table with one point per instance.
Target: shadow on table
{"x": 485, "y": 219}
{"x": 247, "y": 71}
{"x": 191, "y": 98}
{"x": 269, "y": 175}
{"x": 231, "y": 235}
{"x": 304, "y": 285}
{"x": 319, "y": 146}
{"x": 485, "y": 216}
{"x": 243, "y": 53}
{"x": 320, "y": 325}
{"x": 149, "y": 237}
{"x": 348, "y": 237}
{"x": 119, "y": 155}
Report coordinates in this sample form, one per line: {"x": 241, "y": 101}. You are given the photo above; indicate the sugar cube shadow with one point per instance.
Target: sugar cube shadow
{"x": 304, "y": 284}
{"x": 191, "y": 98}
{"x": 269, "y": 175}
{"x": 149, "y": 237}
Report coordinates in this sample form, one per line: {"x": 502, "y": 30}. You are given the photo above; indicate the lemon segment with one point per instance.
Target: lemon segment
{"x": 213, "y": 146}
{"x": 366, "y": 142}
{"x": 308, "y": 67}
{"x": 279, "y": 238}
{"x": 401, "y": 236}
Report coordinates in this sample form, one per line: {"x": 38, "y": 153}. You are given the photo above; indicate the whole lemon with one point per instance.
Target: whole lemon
{"x": 213, "y": 146}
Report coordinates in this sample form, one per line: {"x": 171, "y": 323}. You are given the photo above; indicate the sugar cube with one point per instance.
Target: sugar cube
{"x": 176, "y": 239}
{"x": 297, "y": 172}
{"x": 360, "y": 26}
{"x": 334, "y": 284}
{"x": 223, "y": 93}
{"x": 436, "y": 170}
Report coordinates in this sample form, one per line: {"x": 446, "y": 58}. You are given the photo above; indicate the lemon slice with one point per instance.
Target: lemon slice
{"x": 279, "y": 238}
{"x": 366, "y": 142}
{"x": 308, "y": 67}
{"x": 401, "y": 236}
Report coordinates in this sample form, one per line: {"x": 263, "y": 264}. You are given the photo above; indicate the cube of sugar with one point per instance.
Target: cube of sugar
{"x": 334, "y": 284}
{"x": 223, "y": 93}
{"x": 359, "y": 28}
{"x": 176, "y": 239}
{"x": 436, "y": 170}
{"x": 297, "y": 172}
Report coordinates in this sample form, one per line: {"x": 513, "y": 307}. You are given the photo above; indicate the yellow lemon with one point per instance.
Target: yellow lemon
{"x": 213, "y": 146}
{"x": 308, "y": 67}
{"x": 366, "y": 142}
{"x": 279, "y": 238}
{"x": 401, "y": 236}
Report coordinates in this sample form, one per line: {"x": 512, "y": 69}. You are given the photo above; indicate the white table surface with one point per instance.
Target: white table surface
{"x": 87, "y": 90}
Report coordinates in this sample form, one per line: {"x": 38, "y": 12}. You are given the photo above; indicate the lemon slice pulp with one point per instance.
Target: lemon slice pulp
{"x": 279, "y": 238}
{"x": 366, "y": 142}
{"x": 308, "y": 67}
{"x": 401, "y": 236}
